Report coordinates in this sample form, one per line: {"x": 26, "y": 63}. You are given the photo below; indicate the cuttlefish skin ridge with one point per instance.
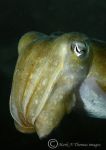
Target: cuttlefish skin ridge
{"x": 49, "y": 71}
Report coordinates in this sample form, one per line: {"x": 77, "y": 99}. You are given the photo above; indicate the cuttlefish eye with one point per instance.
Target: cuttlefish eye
{"x": 79, "y": 48}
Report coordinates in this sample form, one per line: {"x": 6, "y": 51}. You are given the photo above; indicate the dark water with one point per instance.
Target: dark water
{"x": 18, "y": 17}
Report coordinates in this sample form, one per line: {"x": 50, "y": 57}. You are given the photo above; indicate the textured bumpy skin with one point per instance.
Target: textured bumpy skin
{"x": 48, "y": 72}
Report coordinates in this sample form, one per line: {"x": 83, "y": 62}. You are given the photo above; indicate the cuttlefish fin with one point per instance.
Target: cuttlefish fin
{"x": 29, "y": 38}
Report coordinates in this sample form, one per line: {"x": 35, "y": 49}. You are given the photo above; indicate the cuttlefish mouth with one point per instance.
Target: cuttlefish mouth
{"x": 49, "y": 71}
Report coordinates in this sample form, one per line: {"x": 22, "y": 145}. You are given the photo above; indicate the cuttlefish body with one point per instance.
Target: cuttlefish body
{"x": 93, "y": 89}
{"x": 49, "y": 71}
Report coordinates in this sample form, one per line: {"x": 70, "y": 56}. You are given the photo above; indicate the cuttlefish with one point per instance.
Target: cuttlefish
{"x": 50, "y": 70}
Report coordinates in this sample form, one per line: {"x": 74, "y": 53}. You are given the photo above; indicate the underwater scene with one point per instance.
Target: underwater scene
{"x": 53, "y": 74}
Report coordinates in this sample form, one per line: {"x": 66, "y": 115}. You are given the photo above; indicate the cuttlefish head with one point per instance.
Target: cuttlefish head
{"x": 78, "y": 57}
{"x": 49, "y": 70}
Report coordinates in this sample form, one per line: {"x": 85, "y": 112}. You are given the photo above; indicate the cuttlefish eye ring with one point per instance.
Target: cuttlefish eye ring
{"x": 79, "y": 48}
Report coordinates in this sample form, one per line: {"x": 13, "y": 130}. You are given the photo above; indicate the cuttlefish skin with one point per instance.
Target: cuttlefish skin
{"x": 93, "y": 89}
{"x": 49, "y": 69}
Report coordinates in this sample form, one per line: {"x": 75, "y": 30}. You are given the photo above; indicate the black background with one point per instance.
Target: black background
{"x": 18, "y": 17}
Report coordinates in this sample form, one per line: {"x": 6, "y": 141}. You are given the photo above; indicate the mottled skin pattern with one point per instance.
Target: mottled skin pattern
{"x": 49, "y": 71}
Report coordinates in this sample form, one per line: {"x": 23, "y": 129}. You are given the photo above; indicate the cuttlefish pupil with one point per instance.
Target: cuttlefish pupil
{"x": 80, "y": 48}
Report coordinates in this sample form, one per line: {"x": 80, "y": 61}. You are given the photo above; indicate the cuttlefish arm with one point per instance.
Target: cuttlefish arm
{"x": 27, "y": 39}
{"x": 93, "y": 89}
